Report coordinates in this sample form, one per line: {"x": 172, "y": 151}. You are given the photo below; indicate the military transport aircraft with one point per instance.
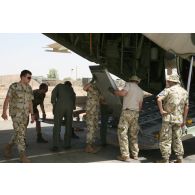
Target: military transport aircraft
{"x": 151, "y": 57}
{"x": 56, "y": 47}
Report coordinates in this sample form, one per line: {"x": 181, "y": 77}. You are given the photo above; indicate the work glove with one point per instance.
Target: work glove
{"x": 111, "y": 90}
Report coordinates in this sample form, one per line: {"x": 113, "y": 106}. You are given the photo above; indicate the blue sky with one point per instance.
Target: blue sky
{"x": 26, "y": 51}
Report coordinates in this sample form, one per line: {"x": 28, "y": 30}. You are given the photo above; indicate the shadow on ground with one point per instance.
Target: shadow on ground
{"x": 41, "y": 153}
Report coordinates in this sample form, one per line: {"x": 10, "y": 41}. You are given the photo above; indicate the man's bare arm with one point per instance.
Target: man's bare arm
{"x": 121, "y": 92}
{"x": 31, "y": 111}
{"x": 43, "y": 110}
{"x": 159, "y": 102}
{"x": 5, "y": 106}
{"x": 87, "y": 86}
{"x": 140, "y": 105}
{"x": 185, "y": 114}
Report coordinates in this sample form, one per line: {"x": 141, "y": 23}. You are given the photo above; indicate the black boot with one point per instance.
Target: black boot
{"x": 40, "y": 139}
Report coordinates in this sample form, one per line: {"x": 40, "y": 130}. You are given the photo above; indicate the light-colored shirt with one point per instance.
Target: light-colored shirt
{"x": 174, "y": 100}
{"x": 134, "y": 96}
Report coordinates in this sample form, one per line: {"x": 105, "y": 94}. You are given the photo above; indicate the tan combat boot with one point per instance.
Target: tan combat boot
{"x": 123, "y": 158}
{"x": 178, "y": 161}
{"x": 163, "y": 161}
{"x": 8, "y": 151}
{"x": 91, "y": 149}
{"x": 23, "y": 158}
{"x": 134, "y": 157}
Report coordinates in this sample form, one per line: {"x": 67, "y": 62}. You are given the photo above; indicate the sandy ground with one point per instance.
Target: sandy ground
{"x": 5, "y": 81}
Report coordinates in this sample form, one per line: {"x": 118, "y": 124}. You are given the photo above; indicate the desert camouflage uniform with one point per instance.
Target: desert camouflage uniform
{"x": 128, "y": 119}
{"x": 175, "y": 99}
{"x": 20, "y": 97}
{"x": 128, "y": 127}
{"x": 92, "y": 110}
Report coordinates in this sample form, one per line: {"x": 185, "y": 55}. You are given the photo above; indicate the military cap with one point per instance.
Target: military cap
{"x": 135, "y": 78}
{"x": 173, "y": 78}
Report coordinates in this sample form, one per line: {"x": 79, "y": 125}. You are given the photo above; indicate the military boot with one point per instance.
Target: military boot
{"x": 135, "y": 157}
{"x": 91, "y": 149}
{"x": 23, "y": 158}
{"x": 8, "y": 151}
{"x": 123, "y": 158}
{"x": 163, "y": 161}
{"x": 40, "y": 139}
{"x": 178, "y": 161}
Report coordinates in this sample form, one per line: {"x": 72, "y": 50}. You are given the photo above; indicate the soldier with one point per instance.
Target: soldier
{"x": 63, "y": 99}
{"x": 19, "y": 98}
{"x": 39, "y": 96}
{"x": 92, "y": 110}
{"x": 132, "y": 103}
{"x": 173, "y": 105}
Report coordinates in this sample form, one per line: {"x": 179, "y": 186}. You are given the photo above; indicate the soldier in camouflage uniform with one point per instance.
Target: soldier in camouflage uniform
{"x": 132, "y": 103}
{"x": 19, "y": 98}
{"x": 173, "y": 105}
{"x": 92, "y": 110}
{"x": 39, "y": 96}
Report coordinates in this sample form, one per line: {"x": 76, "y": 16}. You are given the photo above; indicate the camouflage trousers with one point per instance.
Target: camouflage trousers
{"x": 20, "y": 122}
{"x": 128, "y": 128}
{"x": 92, "y": 125}
{"x": 170, "y": 135}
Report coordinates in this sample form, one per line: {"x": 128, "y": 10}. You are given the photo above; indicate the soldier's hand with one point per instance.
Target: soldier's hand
{"x": 4, "y": 116}
{"x": 111, "y": 90}
{"x": 183, "y": 124}
{"x": 163, "y": 112}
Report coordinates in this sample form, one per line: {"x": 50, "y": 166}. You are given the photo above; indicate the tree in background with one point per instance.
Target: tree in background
{"x": 53, "y": 74}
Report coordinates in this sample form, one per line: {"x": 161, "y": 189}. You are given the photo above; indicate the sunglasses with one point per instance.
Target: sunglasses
{"x": 29, "y": 78}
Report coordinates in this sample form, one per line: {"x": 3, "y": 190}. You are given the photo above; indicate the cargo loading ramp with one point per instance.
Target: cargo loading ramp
{"x": 103, "y": 82}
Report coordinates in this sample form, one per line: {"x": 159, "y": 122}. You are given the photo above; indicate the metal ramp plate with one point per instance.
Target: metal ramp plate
{"x": 104, "y": 81}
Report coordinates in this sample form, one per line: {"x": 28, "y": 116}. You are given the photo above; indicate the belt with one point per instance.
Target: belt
{"x": 130, "y": 110}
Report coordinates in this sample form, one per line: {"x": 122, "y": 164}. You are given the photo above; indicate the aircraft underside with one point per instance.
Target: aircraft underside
{"x": 127, "y": 54}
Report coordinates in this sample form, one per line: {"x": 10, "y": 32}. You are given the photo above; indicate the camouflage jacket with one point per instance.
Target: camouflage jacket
{"x": 20, "y": 97}
{"x": 174, "y": 100}
{"x": 93, "y": 98}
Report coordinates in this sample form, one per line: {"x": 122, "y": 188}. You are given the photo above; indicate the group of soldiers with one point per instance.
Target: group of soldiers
{"x": 22, "y": 100}
{"x": 173, "y": 103}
